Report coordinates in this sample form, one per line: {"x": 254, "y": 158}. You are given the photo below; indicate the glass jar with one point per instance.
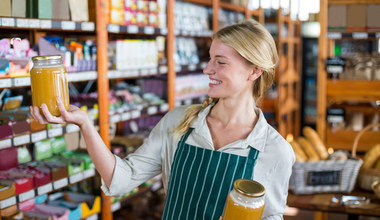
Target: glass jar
{"x": 245, "y": 201}
{"x": 48, "y": 81}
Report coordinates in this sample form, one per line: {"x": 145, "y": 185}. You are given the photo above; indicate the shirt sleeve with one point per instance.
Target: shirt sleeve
{"x": 139, "y": 166}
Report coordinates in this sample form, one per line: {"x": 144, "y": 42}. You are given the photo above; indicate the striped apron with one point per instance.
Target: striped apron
{"x": 200, "y": 180}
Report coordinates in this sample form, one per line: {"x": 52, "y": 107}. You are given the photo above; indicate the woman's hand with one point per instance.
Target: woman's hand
{"x": 74, "y": 115}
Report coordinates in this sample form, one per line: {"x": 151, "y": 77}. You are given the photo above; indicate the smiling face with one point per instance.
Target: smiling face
{"x": 231, "y": 76}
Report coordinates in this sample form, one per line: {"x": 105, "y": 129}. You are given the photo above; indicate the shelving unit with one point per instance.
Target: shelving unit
{"x": 339, "y": 91}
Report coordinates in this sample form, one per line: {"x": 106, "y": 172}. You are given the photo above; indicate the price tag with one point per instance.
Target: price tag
{"x": 163, "y": 69}
{"x": 20, "y": 140}
{"x": 92, "y": 217}
{"x": 68, "y": 25}
{"x": 164, "y": 107}
{"x": 133, "y": 73}
{"x": 153, "y": 71}
{"x": 116, "y": 206}
{"x": 192, "y": 67}
{"x": 132, "y": 29}
{"x": 5, "y": 143}
{"x": 46, "y": 24}
{"x": 60, "y": 183}
{"x": 188, "y": 101}
{"x": 22, "y": 23}
{"x": 39, "y": 136}
{"x": 88, "y": 26}
{"x": 139, "y": 107}
{"x": 135, "y": 114}
{"x": 88, "y": 173}
{"x": 55, "y": 132}
{"x": 8, "y": 22}
{"x": 76, "y": 178}
{"x": 152, "y": 110}
{"x": 360, "y": 35}
{"x": 115, "y": 118}
{"x": 22, "y": 81}
{"x": 72, "y": 128}
{"x": 7, "y": 202}
{"x": 34, "y": 23}
{"x": 144, "y": 72}
{"x": 5, "y": 83}
{"x": 334, "y": 35}
{"x": 177, "y": 68}
{"x": 125, "y": 116}
{"x": 26, "y": 195}
{"x": 377, "y": 35}
{"x": 45, "y": 189}
{"x": 149, "y": 30}
{"x": 164, "y": 31}
{"x": 92, "y": 75}
{"x": 113, "y": 28}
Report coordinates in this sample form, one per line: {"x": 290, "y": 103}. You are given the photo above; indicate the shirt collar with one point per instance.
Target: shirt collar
{"x": 256, "y": 139}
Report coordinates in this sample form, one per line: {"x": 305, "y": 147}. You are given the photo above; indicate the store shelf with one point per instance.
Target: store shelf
{"x": 354, "y": 35}
{"x": 139, "y": 113}
{"x": 48, "y": 188}
{"x": 353, "y": 90}
{"x": 344, "y": 139}
{"x": 200, "y": 2}
{"x": 190, "y": 100}
{"x": 349, "y": 2}
{"x": 134, "y": 29}
{"x": 43, "y": 24}
{"x": 184, "y": 33}
{"x": 137, "y": 73}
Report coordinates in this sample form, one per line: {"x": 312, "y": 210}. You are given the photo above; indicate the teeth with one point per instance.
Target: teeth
{"x": 215, "y": 82}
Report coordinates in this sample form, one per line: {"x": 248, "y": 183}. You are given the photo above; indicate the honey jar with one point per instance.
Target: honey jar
{"x": 49, "y": 81}
{"x": 245, "y": 201}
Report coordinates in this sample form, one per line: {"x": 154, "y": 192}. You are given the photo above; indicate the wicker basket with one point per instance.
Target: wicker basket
{"x": 366, "y": 175}
{"x": 325, "y": 175}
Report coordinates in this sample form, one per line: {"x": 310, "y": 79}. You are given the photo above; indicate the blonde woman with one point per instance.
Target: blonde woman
{"x": 201, "y": 149}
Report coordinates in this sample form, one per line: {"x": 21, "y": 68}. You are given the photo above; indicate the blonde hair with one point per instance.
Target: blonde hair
{"x": 255, "y": 44}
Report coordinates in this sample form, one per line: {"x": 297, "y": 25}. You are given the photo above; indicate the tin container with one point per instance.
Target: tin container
{"x": 245, "y": 201}
{"x": 49, "y": 81}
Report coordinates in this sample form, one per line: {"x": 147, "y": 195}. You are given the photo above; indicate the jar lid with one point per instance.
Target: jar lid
{"x": 47, "y": 57}
{"x": 249, "y": 188}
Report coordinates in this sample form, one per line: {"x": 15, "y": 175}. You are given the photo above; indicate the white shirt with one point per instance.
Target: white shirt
{"x": 273, "y": 166}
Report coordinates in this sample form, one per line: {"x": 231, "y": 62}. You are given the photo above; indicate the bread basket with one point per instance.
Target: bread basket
{"x": 366, "y": 175}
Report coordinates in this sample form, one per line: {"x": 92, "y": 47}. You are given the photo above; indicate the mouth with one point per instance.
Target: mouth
{"x": 214, "y": 82}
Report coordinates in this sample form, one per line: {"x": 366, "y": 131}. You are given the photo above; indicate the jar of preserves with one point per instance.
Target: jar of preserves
{"x": 49, "y": 81}
{"x": 245, "y": 201}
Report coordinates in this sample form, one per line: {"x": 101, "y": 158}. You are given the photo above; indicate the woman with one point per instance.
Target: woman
{"x": 201, "y": 149}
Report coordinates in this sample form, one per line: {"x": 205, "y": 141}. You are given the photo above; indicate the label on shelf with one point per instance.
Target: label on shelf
{"x": 88, "y": 26}
{"x": 334, "y": 35}
{"x": 5, "y": 143}
{"x": 76, "y": 178}
{"x": 164, "y": 31}
{"x": 360, "y": 35}
{"x": 72, "y": 128}
{"x": 7, "y": 202}
{"x": 21, "y": 81}
{"x": 163, "y": 69}
{"x": 135, "y": 113}
{"x": 152, "y": 110}
{"x": 113, "y": 28}
{"x": 192, "y": 67}
{"x": 20, "y": 140}
{"x": 22, "y": 23}
{"x": 26, "y": 195}
{"x": 60, "y": 183}
{"x": 132, "y": 29}
{"x": 54, "y": 132}
{"x": 149, "y": 30}
{"x": 164, "y": 107}
{"x": 46, "y": 24}
{"x": 8, "y": 22}
{"x": 116, "y": 206}
{"x": 115, "y": 118}
{"x": 133, "y": 73}
{"x": 45, "y": 189}
{"x": 5, "y": 83}
{"x": 152, "y": 71}
{"x": 144, "y": 72}
{"x": 68, "y": 25}
{"x": 34, "y": 23}
{"x": 125, "y": 116}
{"x": 88, "y": 173}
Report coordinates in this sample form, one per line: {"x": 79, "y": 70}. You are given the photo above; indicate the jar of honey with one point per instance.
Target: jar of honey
{"x": 48, "y": 81}
{"x": 245, "y": 201}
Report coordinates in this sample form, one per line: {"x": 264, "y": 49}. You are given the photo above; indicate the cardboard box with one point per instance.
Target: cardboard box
{"x": 356, "y": 17}
{"x": 90, "y": 204}
{"x": 79, "y": 10}
{"x": 19, "y": 8}
{"x": 373, "y": 16}
{"x": 337, "y": 15}
{"x": 75, "y": 209}
{"x": 7, "y": 189}
{"x": 58, "y": 213}
{"x": 60, "y": 9}
{"x": 44, "y": 9}
{"x": 8, "y": 158}
{"x": 72, "y": 140}
{"x": 5, "y": 8}
{"x": 23, "y": 182}
{"x": 7, "y": 212}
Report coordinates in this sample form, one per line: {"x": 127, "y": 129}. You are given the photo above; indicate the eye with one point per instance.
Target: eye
{"x": 220, "y": 62}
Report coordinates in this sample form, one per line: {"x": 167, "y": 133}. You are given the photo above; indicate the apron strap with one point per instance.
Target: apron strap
{"x": 252, "y": 156}
{"x": 186, "y": 135}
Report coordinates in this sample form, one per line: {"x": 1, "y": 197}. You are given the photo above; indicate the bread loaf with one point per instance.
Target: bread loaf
{"x": 300, "y": 154}
{"x": 308, "y": 149}
{"x": 371, "y": 156}
{"x": 316, "y": 141}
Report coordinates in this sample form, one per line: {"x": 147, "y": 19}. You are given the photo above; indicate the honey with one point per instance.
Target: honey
{"x": 245, "y": 201}
{"x": 49, "y": 81}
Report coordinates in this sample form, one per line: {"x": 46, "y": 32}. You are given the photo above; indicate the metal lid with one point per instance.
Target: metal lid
{"x": 249, "y": 188}
{"x": 47, "y": 57}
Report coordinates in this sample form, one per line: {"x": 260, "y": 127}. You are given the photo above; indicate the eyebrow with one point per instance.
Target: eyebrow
{"x": 221, "y": 56}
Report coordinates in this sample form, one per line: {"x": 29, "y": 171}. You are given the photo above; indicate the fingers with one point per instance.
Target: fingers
{"x": 49, "y": 117}
{"x": 35, "y": 111}
{"x": 64, "y": 113}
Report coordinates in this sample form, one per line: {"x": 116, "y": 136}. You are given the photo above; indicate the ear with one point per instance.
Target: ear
{"x": 256, "y": 73}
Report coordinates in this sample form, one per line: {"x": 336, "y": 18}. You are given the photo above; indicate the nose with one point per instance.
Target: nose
{"x": 208, "y": 69}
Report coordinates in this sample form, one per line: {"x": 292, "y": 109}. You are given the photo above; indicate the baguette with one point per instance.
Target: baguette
{"x": 316, "y": 141}
{"x": 308, "y": 148}
{"x": 300, "y": 154}
{"x": 371, "y": 156}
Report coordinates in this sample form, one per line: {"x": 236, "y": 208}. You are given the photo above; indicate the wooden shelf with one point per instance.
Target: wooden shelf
{"x": 288, "y": 107}
{"x": 351, "y": 2}
{"x": 268, "y": 105}
{"x": 353, "y": 90}
{"x": 343, "y": 139}
{"x": 200, "y": 2}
